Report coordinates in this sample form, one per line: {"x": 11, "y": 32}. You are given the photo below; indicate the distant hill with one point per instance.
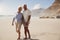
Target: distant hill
{"x": 37, "y": 12}
{"x": 53, "y": 10}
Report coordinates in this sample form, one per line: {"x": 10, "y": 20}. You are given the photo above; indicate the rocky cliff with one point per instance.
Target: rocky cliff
{"x": 53, "y": 10}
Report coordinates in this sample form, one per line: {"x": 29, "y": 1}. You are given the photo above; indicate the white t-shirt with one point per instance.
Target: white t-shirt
{"x": 26, "y": 14}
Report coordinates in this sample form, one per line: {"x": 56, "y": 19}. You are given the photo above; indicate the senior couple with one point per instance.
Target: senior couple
{"x": 22, "y": 18}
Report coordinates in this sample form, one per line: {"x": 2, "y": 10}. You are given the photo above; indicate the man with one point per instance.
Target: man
{"x": 27, "y": 16}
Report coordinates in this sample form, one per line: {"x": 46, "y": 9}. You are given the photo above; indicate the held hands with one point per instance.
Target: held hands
{"x": 12, "y": 24}
{"x": 27, "y": 23}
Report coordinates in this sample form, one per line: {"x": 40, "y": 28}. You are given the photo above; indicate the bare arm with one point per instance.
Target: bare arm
{"x": 29, "y": 17}
{"x": 13, "y": 21}
{"x": 22, "y": 17}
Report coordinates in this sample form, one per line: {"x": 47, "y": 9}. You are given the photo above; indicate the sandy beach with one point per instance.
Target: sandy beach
{"x": 40, "y": 29}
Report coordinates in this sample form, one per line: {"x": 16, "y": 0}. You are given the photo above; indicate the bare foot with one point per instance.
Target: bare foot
{"x": 18, "y": 38}
{"x": 25, "y": 38}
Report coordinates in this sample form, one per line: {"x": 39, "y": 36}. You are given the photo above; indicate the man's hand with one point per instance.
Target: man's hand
{"x": 29, "y": 17}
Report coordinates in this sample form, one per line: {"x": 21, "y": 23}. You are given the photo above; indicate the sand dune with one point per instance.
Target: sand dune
{"x": 42, "y": 29}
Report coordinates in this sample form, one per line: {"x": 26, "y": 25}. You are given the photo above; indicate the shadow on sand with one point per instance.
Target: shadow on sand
{"x": 28, "y": 39}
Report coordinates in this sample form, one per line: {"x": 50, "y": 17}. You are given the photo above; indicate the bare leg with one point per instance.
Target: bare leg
{"x": 18, "y": 34}
{"x": 28, "y": 32}
{"x": 25, "y": 31}
{"x": 18, "y": 29}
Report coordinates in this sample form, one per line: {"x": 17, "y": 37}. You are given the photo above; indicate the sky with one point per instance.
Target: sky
{"x": 9, "y": 7}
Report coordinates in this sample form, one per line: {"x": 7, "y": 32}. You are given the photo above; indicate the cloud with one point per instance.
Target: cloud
{"x": 37, "y": 6}
{"x": 8, "y": 8}
{"x": 3, "y": 7}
